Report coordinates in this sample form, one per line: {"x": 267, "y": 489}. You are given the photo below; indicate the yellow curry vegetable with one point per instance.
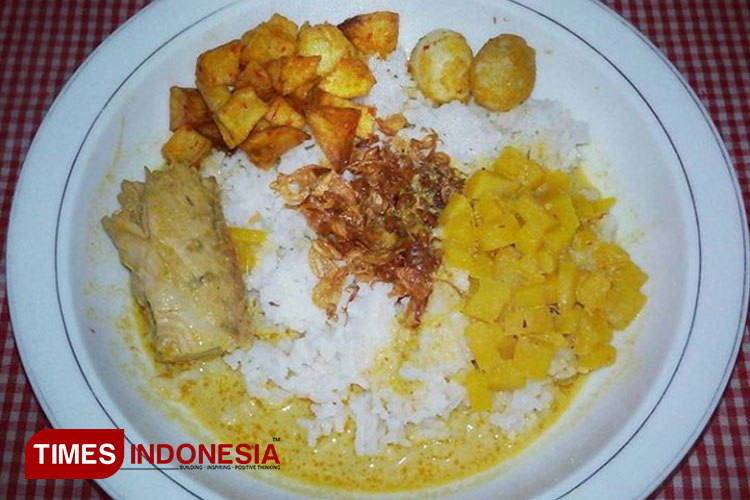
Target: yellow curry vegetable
{"x": 541, "y": 276}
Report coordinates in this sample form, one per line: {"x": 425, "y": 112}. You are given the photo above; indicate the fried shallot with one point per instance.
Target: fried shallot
{"x": 375, "y": 219}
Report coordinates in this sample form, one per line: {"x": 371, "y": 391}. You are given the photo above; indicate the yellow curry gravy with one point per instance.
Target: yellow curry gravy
{"x": 215, "y": 395}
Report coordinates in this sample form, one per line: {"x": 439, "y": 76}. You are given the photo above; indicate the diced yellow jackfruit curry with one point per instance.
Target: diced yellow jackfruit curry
{"x": 541, "y": 276}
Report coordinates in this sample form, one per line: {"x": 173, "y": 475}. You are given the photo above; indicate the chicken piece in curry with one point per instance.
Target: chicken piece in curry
{"x": 171, "y": 234}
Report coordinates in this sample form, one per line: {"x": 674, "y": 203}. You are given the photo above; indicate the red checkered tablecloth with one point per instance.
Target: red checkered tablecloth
{"x": 42, "y": 42}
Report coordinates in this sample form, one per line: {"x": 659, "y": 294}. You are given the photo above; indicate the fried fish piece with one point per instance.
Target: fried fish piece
{"x": 171, "y": 234}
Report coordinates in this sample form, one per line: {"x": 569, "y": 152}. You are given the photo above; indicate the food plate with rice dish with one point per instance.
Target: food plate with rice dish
{"x": 402, "y": 253}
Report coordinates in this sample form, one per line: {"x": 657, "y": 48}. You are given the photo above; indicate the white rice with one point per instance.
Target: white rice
{"x": 338, "y": 365}
{"x": 387, "y": 95}
{"x": 470, "y": 133}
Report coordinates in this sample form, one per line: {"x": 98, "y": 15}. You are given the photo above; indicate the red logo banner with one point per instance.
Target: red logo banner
{"x": 74, "y": 453}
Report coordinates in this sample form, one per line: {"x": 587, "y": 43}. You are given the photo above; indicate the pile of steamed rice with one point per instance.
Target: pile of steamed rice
{"x": 341, "y": 366}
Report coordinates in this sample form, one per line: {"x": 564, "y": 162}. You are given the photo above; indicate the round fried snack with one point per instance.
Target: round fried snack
{"x": 440, "y": 63}
{"x": 503, "y": 73}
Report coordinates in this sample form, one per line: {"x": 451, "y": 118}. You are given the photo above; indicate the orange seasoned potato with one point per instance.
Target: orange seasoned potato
{"x": 210, "y": 130}
{"x": 366, "y": 124}
{"x": 239, "y": 115}
{"x": 439, "y": 64}
{"x": 215, "y": 97}
{"x": 303, "y": 92}
{"x": 281, "y": 112}
{"x": 334, "y": 130}
{"x": 373, "y": 33}
{"x": 270, "y": 40}
{"x": 186, "y": 146}
{"x": 255, "y": 75}
{"x": 219, "y": 66}
{"x": 326, "y": 41}
{"x": 503, "y": 73}
{"x": 350, "y": 78}
{"x": 290, "y": 72}
{"x": 265, "y": 147}
{"x": 186, "y": 106}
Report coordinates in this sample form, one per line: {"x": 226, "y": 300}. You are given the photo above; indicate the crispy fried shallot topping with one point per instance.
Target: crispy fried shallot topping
{"x": 375, "y": 219}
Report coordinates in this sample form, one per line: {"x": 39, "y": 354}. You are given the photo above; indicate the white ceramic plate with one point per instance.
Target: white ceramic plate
{"x": 667, "y": 166}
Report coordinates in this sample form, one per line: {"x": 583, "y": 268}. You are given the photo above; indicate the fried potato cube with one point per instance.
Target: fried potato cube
{"x": 215, "y": 97}
{"x": 326, "y": 41}
{"x": 302, "y": 93}
{"x": 219, "y": 66}
{"x": 210, "y": 130}
{"x": 366, "y": 124}
{"x": 270, "y": 40}
{"x": 265, "y": 147}
{"x": 439, "y": 64}
{"x": 239, "y": 115}
{"x": 373, "y": 33}
{"x": 290, "y": 72}
{"x": 254, "y": 75}
{"x": 503, "y": 73}
{"x": 186, "y": 107}
{"x": 392, "y": 124}
{"x": 349, "y": 79}
{"x": 279, "y": 22}
{"x": 262, "y": 124}
{"x": 281, "y": 112}
{"x": 186, "y": 146}
{"x": 334, "y": 130}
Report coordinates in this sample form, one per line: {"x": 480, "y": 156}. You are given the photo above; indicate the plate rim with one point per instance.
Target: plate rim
{"x": 146, "y": 11}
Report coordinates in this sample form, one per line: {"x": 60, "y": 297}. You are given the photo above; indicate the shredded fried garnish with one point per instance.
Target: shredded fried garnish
{"x": 375, "y": 219}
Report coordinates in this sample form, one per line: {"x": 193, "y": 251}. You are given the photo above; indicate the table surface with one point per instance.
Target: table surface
{"x": 42, "y": 43}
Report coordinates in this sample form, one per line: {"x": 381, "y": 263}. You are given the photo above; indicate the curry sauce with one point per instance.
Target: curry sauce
{"x": 215, "y": 396}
